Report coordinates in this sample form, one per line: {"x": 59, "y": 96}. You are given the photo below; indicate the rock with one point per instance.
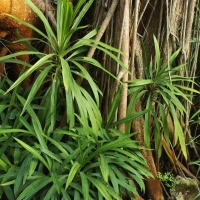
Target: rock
{"x": 184, "y": 189}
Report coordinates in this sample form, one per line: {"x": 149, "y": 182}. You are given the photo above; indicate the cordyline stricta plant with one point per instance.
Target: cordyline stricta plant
{"x": 54, "y": 144}
{"x": 160, "y": 92}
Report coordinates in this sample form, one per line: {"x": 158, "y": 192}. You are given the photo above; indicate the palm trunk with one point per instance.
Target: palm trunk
{"x": 171, "y": 23}
{"x": 153, "y": 185}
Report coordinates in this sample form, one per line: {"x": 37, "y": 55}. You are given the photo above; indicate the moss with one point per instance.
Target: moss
{"x": 185, "y": 187}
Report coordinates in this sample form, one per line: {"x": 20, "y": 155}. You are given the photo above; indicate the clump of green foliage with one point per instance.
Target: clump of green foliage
{"x": 160, "y": 92}
{"x": 53, "y": 144}
{"x": 167, "y": 179}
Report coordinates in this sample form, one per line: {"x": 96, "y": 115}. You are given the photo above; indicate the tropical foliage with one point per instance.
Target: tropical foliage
{"x": 64, "y": 163}
{"x": 53, "y": 142}
{"x": 160, "y": 91}
{"x": 85, "y": 126}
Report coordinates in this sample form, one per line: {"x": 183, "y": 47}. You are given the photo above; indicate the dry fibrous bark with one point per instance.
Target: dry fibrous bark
{"x": 171, "y": 23}
{"x": 9, "y": 27}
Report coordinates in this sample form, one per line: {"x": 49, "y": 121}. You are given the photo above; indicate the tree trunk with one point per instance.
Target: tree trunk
{"x": 171, "y": 23}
